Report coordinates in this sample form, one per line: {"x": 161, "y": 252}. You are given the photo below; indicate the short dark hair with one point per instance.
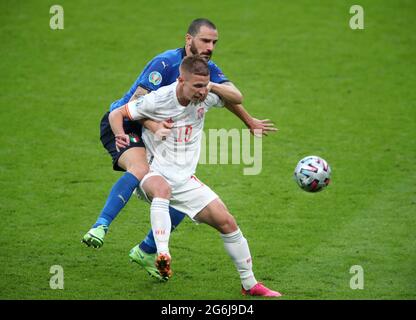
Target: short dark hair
{"x": 198, "y": 23}
{"x": 195, "y": 64}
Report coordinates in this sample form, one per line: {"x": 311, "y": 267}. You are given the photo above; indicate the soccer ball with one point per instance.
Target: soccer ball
{"x": 312, "y": 174}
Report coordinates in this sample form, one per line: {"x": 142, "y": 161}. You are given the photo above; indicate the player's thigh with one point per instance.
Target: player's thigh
{"x": 134, "y": 160}
{"x": 156, "y": 187}
{"x": 217, "y": 216}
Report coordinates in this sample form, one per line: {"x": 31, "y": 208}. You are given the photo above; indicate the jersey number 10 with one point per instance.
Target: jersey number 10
{"x": 184, "y": 134}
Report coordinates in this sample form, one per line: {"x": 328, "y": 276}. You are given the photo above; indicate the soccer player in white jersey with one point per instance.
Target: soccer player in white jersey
{"x": 173, "y": 162}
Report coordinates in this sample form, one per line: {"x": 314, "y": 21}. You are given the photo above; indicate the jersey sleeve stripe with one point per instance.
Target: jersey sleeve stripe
{"x": 126, "y": 107}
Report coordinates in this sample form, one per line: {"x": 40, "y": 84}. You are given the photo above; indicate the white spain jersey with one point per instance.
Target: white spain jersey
{"x": 176, "y": 158}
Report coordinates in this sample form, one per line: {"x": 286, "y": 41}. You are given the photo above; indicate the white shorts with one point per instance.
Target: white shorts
{"x": 189, "y": 198}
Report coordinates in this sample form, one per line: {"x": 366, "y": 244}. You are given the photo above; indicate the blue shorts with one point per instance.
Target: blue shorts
{"x": 132, "y": 128}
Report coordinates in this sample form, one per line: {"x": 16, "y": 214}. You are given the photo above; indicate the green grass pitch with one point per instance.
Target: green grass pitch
{"x": 346, "y": 95}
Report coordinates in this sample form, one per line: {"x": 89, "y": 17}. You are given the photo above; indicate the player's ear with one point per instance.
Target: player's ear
{"x": 188, "y": 39}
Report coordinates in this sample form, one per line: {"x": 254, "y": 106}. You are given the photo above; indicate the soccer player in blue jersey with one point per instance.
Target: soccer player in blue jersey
{"x": 162, "y": 70}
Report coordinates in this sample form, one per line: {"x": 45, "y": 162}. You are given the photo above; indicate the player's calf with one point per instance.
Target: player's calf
{"x": 156, "y": 188}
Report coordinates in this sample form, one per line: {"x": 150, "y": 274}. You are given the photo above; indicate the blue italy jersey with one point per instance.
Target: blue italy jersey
{"x": 162, "y": 71}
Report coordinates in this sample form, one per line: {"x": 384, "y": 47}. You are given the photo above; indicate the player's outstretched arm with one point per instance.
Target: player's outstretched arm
{"x": 227, "y": 91}
{"x": 233, "y": 101}
{"x": 258, "y": 127}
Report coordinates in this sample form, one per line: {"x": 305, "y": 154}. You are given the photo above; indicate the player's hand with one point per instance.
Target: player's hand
{"x": 122, "y": 141}
{"x": 164, "y": 129}
{"x": 261, "y": 128}
{"x": 209, "y": 86}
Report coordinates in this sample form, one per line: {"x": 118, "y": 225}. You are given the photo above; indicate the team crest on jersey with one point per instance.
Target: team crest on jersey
{"x": 200, "y": 113}
{"x": 155, "y": 78}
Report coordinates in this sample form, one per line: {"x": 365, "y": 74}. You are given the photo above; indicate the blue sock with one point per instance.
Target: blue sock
{"x": 119, "y": 196}
{"x": 148, "y": 245}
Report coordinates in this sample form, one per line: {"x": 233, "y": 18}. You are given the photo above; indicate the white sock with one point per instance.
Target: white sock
{"x": 237, "y": 248}
{"x": 161, "y": 224}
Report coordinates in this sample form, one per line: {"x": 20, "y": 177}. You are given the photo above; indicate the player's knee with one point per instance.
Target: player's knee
{"x": 227, "y": 224}
{"x": 162, "y": 191}
{"x": 138, "y": 171}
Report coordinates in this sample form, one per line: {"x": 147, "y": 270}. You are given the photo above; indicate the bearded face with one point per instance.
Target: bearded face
{"x": 203, "y": 52}
{"x": 203, "y": 43}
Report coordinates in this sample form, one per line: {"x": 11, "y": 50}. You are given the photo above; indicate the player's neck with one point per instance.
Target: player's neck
{"x": 184, "y": 102}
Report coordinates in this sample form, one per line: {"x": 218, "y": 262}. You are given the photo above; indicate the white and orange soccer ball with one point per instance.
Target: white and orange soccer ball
{"x": 312, "y": 174}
